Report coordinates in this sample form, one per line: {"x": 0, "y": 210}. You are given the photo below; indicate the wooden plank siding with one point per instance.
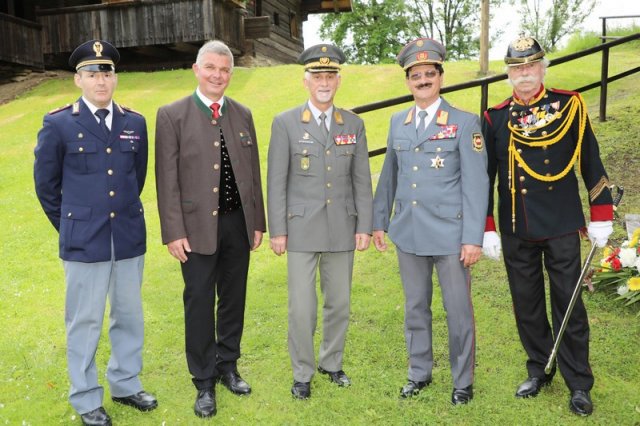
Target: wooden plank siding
{"x": 140, "y": 23}
{"x": 21, "y": 42}
{"x": 281, "y": 46}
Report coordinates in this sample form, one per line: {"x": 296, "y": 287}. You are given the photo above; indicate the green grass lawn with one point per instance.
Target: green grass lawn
{"x": 33, "y": 379}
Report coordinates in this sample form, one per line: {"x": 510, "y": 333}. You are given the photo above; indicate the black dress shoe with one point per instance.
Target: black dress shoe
{"x": 580, "y": 402}
{"x": 338, "y": 377}
{"x": 232, "y": 381}
{"x": 205, "y": 405}
{"x": 531, "y": 387}
{"x": 413, "y": 388}
{"x": 142, "y": 400}
{"x": 97, "y": 417}
{"x": 462, "y": 396}
{"x": 301, "y": 390}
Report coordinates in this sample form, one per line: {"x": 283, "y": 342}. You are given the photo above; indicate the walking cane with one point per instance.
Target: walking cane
{"x": 576, "y": 291}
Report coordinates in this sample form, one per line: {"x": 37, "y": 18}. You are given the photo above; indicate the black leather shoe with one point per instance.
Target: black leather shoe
{"x": 338, "y": 377}
{"x": 232, "y": 381}
{"x": 301, "y": 390}
{"x": 205, "y": 403}
{"x": 580, "y": 402}
{"x": 413, "y": 388}
{"x": 531, "y": 387}
{"x": 143, "y": 401}
{"x": 462, "y": 396}
{"x": 97, "y": 417}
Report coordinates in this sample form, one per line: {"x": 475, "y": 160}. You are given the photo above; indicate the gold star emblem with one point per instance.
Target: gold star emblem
{"x": 437, "y": 163}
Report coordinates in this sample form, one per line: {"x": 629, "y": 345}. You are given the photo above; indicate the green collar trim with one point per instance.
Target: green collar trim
{"x": 205, "y": 108}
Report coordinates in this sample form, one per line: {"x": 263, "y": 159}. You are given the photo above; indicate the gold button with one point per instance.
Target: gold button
{"x": 81, "y": 149}
{"x": 214, "y": 213}
{"x": 521, "y": 178}
{"x": 519, "y": 165}
{"x": 112, "y": 193}
{"x": 109, "y": 172}
{"x": 550, "y": 188}
{"x": 544, "y": 147}
{"x": 417, "y": 149}
{"x": 328, "y": 152}
{"x": 438, "y": 149}
{"x": 112, "y": 215}
{"x": 544, "y": 133}
{"x": 415, "y": 203}
{"x": 329, "y": 168}
{"x": 216, "y": 166}
{"x": 108, "y": 150}
{"x": 415, "y": 168}
{"x": 215, "y": 189}
{"x": 514, "y": 113}
{"x": 328, "y": 184}
{"x": 329, "y": 201}
{"x": 524, "y": 191}
{"x": 304, "y": 151}
{"x": 413, "y": 185}
{"x": 548, "y": 174}
{"x": 519, "y": 151}
{"x": 216, "y": 144}
{"x": 546, "y": 161}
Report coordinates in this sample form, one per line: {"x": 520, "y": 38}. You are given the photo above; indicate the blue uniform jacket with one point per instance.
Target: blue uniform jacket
{"x": 89, "y": 185}
{"x": 437, "y": 185}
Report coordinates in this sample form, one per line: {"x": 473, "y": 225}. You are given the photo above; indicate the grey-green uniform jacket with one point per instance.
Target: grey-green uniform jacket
{"x": 436, "y": 183}
{"x": 318, "y": 191}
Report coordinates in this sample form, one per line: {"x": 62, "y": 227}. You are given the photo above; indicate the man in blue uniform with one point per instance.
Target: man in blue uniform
{"x": 434, "y": 178}
{"x": 534, "y": 140}
{"x": 89, "y": 171}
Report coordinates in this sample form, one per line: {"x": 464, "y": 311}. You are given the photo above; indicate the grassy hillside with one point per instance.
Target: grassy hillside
{"x": 33, "y": 380}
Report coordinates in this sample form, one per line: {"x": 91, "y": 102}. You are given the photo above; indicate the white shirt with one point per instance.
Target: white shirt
{"x": 316, "y": 114}
{"x": 94, "y": 108}
{"x": 431, "y": 112}
{"x": 208, "y": 101}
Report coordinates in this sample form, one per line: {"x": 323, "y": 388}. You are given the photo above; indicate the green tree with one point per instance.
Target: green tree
{"x": 560, "y": 18}
{"x": 376, "y": 30}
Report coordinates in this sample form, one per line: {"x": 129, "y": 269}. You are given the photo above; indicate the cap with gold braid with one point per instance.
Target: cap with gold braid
{"x": 322, "y": 58}
{"x": 523, "y": 50}
{"x": 94, "y": 55}
{"x": 421, "y": 51}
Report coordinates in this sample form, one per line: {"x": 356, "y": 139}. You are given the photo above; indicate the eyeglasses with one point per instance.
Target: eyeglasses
{"x": 418, "y": 76}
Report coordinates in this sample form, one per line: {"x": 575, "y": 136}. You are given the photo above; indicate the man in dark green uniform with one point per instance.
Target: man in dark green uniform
{"x": 534, "y": 139}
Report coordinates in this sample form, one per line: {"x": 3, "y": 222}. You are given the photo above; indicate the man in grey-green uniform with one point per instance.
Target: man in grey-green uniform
{"x": 319, "y": 210}
{"x": 433, "y": 176}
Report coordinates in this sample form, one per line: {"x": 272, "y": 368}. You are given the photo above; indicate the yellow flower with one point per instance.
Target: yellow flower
{"x": 634, "y": 238}
{"x": 607, "y": 251}
{"x": 634, "y": 283}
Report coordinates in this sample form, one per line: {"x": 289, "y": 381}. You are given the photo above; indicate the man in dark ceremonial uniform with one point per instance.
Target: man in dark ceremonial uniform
{"x": 535, "y": 140}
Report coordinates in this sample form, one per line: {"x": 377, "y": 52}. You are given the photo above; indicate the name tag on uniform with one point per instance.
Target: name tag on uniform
{"x": 348, "y": 139}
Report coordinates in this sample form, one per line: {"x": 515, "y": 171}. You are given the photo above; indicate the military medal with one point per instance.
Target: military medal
{"x": 437, "y": 163}
{"x": 304, "y": 163}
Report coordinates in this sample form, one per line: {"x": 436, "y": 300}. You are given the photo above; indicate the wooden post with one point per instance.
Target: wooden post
{"x": 484, "y": 37}
{"x": 604, "y": 75}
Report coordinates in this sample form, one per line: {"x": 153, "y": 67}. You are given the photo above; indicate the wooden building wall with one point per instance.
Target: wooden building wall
{"x": 285, "y": 42}
{"x": 21, "y": 42}
{"x": 142, "y": 23}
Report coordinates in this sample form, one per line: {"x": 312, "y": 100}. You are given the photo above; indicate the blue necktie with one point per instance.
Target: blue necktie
{"x": 102, "y": 115}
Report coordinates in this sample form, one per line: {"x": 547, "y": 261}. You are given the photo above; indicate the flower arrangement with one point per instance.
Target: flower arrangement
{"x": 620, "y": 269}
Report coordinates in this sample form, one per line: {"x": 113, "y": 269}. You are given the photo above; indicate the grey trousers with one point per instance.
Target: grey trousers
{"x": 88, "y": 286}
{"x": 455, "y": 284}
{"x": 335, "y": 283}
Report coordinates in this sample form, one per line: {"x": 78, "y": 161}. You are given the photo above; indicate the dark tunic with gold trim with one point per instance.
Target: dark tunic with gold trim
{"x": 541, "y": 144}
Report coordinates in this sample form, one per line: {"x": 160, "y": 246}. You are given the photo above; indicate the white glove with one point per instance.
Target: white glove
{"x": 599, "y": 232}
{"x": 491, "y": 246}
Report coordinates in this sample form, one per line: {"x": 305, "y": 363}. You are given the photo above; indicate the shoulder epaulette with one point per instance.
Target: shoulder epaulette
{"x": 502, "y": 104}
{"x": 564, "y": 92}
{"x": 62, "y": 108}
{"x": 126, "y": 108}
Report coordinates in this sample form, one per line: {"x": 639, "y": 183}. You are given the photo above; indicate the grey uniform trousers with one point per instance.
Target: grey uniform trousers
{"x": 455, "y": 284}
